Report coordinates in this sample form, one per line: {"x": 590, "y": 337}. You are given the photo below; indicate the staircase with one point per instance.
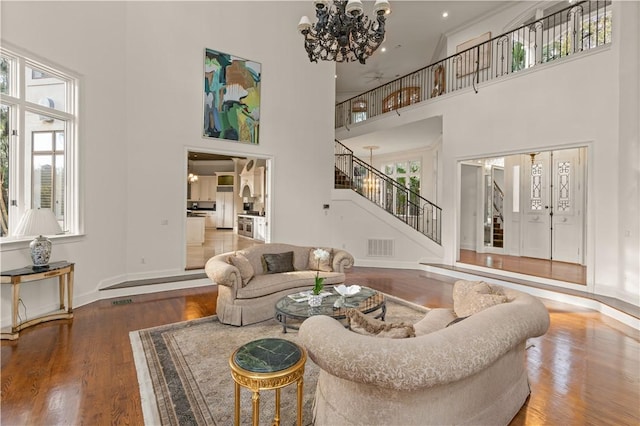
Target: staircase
{"x": 498, "y": 218}
{"x": 408, "y": 206}
{"x": 498, "y": 232}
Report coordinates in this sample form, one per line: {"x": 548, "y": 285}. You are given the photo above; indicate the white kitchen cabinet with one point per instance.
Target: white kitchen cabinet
{"x": 260, "y": 228}
{"x": 195, "y": 231}
{"x": 204, "y": 189}
{"x": 224, "y": 209}
{"x": 210, "y": 220}
{"x": 207, "y": 188}
{"x": 194, "y": 191}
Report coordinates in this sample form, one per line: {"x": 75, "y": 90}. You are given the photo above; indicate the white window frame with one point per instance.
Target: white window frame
{"x": 20, "y": 157}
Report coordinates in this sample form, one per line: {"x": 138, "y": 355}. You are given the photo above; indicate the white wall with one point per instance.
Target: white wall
{"x": 141, "y": 64}
{"x": 355, "y": 222}
{"x": 587, "y": 100}
{"x": 469, "y": 201}
{"x": 62, "y": 34}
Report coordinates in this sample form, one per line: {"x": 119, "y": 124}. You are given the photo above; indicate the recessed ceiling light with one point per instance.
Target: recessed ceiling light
{"x": 384, "y": 49}
{"x": 445, "y": 14}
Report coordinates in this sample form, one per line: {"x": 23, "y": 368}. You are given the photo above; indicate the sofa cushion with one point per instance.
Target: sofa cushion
{"x": 266, "y": 284}
{"x": 362, "y": 324}
{"x": 275, "y": 263}
{"x": 243, "y": 265}
{"x": 320, "y": 265}
{"x": 471, "y": 297}
{"x": 254, "y": 255}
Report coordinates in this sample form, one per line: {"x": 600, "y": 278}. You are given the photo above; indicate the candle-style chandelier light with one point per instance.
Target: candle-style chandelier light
{"x": 343, "y": 33}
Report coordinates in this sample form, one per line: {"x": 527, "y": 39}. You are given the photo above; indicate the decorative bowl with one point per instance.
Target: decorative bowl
{"x": 346, "y": 291}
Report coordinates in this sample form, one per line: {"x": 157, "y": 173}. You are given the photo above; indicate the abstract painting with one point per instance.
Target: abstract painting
{"x": 231, "y": 97}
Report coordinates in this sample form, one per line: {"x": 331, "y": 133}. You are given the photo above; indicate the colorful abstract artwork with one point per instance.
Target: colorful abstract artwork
{"x": 231, "y": 97}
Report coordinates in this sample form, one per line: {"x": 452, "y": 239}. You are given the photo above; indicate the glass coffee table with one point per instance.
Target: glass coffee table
{"x": 334, "y": 305}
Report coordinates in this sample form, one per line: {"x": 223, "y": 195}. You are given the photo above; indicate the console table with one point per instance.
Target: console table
{"x": 63, "y": 270}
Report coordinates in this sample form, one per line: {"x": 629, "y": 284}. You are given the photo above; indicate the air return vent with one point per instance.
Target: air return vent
{"x": 380, "y": 248}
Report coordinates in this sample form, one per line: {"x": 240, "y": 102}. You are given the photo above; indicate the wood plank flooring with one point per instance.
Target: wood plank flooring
{"x": 561, "y": 271}
{"x": 584, "y": 371}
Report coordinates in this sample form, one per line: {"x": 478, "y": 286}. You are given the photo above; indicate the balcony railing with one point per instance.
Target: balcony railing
{"x": 398, "y": 200}
{"x": 577, "y": 28}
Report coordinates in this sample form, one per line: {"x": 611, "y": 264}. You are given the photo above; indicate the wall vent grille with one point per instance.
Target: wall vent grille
{"x": 380, "y": 248}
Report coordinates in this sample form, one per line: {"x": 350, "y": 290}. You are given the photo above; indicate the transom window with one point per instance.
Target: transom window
{"x": 38, "y": 142}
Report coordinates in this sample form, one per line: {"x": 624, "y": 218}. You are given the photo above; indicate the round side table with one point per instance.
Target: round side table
{"x": 267, "y": 364}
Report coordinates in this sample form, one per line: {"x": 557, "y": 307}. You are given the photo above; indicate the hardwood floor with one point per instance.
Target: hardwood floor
{"x": 561, "y": 271}
{"x": 583, "y": 371}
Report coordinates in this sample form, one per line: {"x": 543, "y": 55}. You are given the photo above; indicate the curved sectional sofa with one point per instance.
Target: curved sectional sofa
{"x": 464, "y": 372}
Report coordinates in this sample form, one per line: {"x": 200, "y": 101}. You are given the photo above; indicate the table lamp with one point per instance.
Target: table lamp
{"x": 38, "y": 222}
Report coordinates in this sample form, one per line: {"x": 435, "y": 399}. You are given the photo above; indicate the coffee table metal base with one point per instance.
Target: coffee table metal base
{"x": 368, "y": 301}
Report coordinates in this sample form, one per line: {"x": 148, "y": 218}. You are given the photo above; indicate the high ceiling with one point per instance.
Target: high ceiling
{"x": 413, "y": 32}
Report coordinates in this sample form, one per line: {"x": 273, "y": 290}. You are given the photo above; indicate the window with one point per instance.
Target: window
{"x": 407, "y": 174}
{"x": 38, "y": 142}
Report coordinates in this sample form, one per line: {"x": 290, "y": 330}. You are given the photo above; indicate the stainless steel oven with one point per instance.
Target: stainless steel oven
{"x": 245, "y": 226}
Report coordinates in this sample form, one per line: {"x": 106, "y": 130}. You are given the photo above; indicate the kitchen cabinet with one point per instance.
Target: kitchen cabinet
{"x": 260, "y": 228}
{"x": 210, "y": 220}
{"x": 195, "y": 231}
{"x": 207, "y": 188}
{"x": 204, "y": 189}
{"x": 225, "y": 209}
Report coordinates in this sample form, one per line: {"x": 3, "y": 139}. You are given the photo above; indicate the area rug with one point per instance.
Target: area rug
{"x": 184, "y": 375}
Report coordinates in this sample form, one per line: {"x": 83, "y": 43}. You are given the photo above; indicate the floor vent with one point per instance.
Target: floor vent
{"x": 121, "y": 302}
{"x": 380, "y": 248}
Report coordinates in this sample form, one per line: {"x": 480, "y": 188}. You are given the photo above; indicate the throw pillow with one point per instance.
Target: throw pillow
{"x": 243, "y": 265}
{"x": 475, "y": 302}
{"x": 274, "y": 263}
{"x": 324, "y": 266}
{"x": 362, "y": 324}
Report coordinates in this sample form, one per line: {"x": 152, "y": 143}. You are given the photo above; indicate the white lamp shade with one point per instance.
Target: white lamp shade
{"x": 354, "y": 7}
{"x": 381, "y": 5}
{"x": 36, "y": 222}
{"x": 304, "y": 24}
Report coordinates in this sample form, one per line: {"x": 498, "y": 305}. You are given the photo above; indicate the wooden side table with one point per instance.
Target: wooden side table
{"x": 267, "y": 364}
{"x": 63, "y": 270}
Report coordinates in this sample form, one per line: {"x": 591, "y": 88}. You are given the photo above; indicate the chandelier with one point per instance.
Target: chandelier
{"x": 192, "y": 178}
{"x": 343, "y": 33}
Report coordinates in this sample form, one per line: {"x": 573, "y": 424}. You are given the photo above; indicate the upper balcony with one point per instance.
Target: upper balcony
{"x": 580, "y": 27}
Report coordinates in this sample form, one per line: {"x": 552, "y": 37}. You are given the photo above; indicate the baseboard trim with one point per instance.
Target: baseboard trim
{"x": 628, "y": 315}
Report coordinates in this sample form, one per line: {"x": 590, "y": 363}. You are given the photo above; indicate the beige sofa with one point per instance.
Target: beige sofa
{"x": 472, "y": 372}
{"x": 247, "y": 293}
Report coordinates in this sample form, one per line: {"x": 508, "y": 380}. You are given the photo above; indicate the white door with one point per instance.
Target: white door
{"x": 568, "y": 205}
{"x": 553, "y": 222}
{"x": 536, "y": 235}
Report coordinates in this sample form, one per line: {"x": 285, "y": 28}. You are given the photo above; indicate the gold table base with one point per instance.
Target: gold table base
{"x": 256, "y": 382}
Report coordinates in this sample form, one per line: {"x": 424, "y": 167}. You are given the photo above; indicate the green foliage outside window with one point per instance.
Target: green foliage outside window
{"x": 517, "y": 56}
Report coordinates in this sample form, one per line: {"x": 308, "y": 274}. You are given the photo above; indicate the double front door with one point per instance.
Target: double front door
{"x": 554, "y": 204}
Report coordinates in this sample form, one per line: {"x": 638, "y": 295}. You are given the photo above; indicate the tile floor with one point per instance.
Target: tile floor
{"x": 216, "y": 241}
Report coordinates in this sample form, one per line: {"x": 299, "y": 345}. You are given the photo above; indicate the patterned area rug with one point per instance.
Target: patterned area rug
{"x": 185, "y": 379}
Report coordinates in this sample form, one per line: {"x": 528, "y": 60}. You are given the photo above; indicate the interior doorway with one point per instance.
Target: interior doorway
{"x": 528, "y": 205}
{"x": 220, "y": 188}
